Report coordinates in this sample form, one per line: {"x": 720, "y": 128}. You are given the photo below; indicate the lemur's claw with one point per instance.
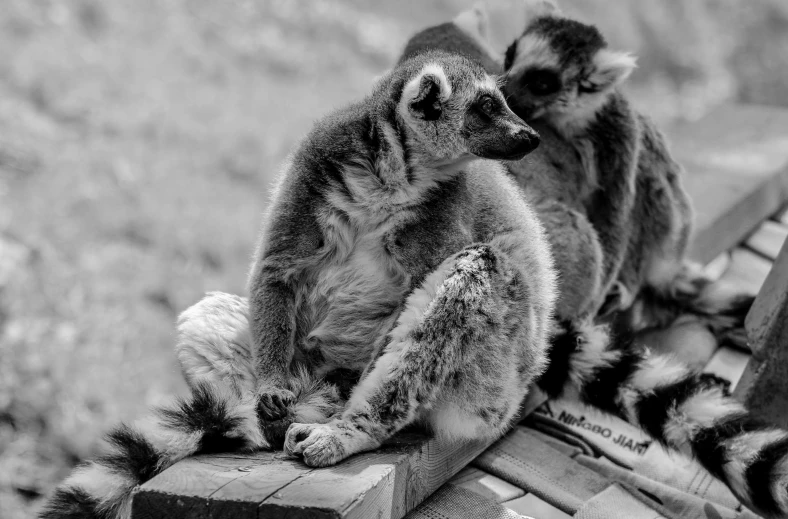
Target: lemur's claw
{"x": 274, "y": 404}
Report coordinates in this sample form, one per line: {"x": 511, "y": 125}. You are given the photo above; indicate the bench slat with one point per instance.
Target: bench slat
{"x": 762, "y": 385}
{"x": 737, "y": 172}
{"x": 386, "y": 483}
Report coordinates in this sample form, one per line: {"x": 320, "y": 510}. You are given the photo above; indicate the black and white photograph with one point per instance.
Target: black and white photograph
{"x": 346, "y": 259}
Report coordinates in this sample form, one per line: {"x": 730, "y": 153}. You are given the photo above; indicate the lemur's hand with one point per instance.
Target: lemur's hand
{"x": 274, "y": 403}
{"x": 321, "y": 445}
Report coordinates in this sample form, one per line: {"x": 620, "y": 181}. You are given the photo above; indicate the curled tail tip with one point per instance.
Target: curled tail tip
{"x": 93, "y": 491}
{"x": 70, "y": 503}
{"x": 210, "y": 420}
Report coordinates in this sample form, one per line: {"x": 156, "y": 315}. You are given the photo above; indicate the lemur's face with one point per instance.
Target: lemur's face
{"x": 561, "y": 67}
{"x": 458, "y": 111}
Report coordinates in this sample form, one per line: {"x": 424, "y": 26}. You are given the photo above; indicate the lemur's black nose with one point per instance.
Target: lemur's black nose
{"x": 531, "y": 137}
{"x": 523, "y": 141}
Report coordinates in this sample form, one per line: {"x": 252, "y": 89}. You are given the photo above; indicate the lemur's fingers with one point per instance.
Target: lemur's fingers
{"x": 274, "y": 403}
{"x": 678, "y": 407}
{"x": 321, "y": 445}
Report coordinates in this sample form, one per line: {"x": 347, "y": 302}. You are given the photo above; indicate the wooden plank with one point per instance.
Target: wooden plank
{"x": 772, "y": 298}
{"x": 768, "y": 239}
{"x": 386, "y": 483}
{"x": 737, "y": 172}
{"x": 763, "y": 386}
{"x": 718, "y": 266}
{"x": 748, "y": 271}
{"x": 782, "y": 216}
{"x": 486, "y": 485}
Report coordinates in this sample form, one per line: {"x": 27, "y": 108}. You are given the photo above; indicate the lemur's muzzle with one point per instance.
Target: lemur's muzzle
{"x": 508, "y": 139}
{"x": 523, "y": 141}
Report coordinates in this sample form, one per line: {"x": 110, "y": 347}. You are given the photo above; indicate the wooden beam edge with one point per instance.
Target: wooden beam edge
{"x": 742, "y": 219}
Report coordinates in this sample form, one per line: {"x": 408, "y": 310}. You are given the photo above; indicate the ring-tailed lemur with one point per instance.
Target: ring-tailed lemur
{"x": 561, "y": 71}
{"x": 472, "y": 329}
{"x": 393, "y": 247}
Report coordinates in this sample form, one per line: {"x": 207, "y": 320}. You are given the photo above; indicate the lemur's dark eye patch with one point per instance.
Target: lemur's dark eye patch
{"x": 541, "y": 82}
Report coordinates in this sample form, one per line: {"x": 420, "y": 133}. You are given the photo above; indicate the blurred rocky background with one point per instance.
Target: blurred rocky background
{"x": 137, "y": 142}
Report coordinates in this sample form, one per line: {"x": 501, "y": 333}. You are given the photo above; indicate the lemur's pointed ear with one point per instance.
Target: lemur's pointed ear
{"x": 425, "y": 94}
{"x": 611, "y": 68}
{"x": 474, "y": 22}
{"x": 539, "y": 8}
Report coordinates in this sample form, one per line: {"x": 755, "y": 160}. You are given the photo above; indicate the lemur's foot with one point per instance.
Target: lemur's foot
{"x": 322, "y": 445}
{"x": 274, "y": 403}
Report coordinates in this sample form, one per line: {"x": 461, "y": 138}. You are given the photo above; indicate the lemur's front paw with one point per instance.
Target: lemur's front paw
{"x": 274, "y": 403}
{"x": 320, "y": 445}
{"x": 327, "y": 444}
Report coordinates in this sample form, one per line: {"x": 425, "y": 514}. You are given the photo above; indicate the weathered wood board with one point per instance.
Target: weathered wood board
{"x": 763, "y": 384}
{"x": 747, "y": 271}
{"x": 768, "y": 239}
{"x": 386, "y": 483}
{"x": 737, "y": 172}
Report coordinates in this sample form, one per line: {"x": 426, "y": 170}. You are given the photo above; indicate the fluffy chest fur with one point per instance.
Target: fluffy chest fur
{"x": 349, "y": 303}
{"x": 376, "y": 249}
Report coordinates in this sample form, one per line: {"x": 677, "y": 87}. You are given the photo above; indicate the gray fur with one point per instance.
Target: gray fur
{"x": 632, "y": 190}
{"x": 553, "y": 180}
{"x": 390, "y": 243}
{"x": 614, "y": 376}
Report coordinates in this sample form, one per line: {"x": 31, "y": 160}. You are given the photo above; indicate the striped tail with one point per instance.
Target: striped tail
{"x": 680, "y": 408}
{"x": 211, "y": 420}
{"x": 214, "y": 350}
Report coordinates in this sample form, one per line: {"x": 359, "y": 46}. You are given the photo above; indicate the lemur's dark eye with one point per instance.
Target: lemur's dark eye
{"x": 487, "y": 105}
{"x": 541, "y": 82}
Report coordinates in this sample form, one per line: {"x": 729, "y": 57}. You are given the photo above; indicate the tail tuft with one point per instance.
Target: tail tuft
{"x": 132, "y": 454}
{"x": 214, "y": 418}
{"x": 71, "y": 503}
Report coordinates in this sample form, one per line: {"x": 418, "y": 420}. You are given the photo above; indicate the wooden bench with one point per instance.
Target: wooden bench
{"x": 737, "y": 164}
